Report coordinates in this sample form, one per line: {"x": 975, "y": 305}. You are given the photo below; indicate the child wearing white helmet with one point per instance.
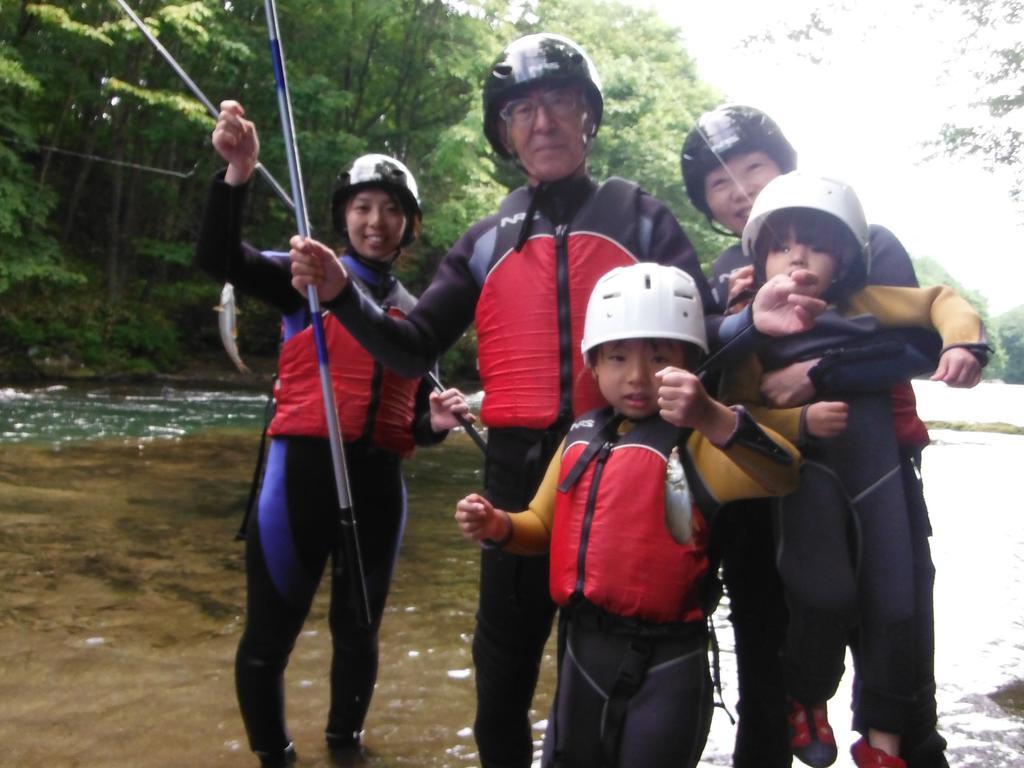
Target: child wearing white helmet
{"x": 624, "y": 509}
{"x": 812, "y": 230}
{"x": 732, "y": 152}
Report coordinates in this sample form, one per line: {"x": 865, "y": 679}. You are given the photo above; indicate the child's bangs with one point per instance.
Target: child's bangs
{"x": 810, "y": 227}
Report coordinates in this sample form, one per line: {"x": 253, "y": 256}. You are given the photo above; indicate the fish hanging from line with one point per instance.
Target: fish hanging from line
{"x": 678, "y": 501}
{"x": 227, "y": 313}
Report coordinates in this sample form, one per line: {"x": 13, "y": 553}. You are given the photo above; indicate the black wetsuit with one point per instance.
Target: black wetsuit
{"x": 515, "y": 611}
{"x": 744, "y": 542}
{"x": 294, "y": 529}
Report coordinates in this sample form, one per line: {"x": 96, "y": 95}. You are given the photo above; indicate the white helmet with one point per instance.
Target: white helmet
{"x": 644, "y": 301}
{"x": 804, "y": 190}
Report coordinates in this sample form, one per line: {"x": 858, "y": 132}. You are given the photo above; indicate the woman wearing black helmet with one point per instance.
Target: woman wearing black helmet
{"x": 294, "y": 527}
{"x": 524, "y": 276}
{"x": 727, "y": 158}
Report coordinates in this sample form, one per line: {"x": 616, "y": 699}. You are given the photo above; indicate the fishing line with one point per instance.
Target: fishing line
{"x": 197, "y": 92}
{"x": 97, "y": 158}
{"x": 750, "y": 201}
{"x": 736, "y": 182}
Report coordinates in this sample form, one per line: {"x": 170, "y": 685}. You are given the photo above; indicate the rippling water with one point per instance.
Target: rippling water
{"x": 62, "y": 414}
{"x": 123, "y": 591}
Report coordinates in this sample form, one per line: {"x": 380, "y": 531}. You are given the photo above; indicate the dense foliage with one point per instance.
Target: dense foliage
{"x": 105, "y": 156}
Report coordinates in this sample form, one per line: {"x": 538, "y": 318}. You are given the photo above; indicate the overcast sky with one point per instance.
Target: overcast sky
{"x": 889, "y": 78}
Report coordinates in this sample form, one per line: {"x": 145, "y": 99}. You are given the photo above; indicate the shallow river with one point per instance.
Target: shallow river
{"x": 123, "y": 589}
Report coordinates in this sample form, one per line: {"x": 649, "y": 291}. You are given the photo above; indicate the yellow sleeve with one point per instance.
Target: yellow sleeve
{"x": 739, "y": 472}
{"x": 938, "y": 307}
{"x": 531, "y": 528}
{"x": 741, "y": 385}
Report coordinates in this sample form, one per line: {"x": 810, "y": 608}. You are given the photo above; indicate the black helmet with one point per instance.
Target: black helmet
{"x": 535, "y": 59}
{"x": 378, "y": 171}
{"x": 725, "y": 131}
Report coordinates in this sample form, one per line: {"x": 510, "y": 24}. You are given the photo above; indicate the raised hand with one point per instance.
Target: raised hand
{"x": 236, "y": 140}
{"x": 788, "y": 304}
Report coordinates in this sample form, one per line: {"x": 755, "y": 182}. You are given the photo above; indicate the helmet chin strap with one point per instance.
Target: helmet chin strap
{"x": 713, "y": 223}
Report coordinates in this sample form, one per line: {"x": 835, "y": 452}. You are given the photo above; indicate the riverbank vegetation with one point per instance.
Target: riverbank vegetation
{"x": 105, "y": 155}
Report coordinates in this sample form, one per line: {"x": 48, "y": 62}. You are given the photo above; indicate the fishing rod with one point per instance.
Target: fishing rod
{"x": 470, "y": 429}
{"x": 709, "y": 362}
{"x": 347, "y": 518}
{"x": 214, "y": 112}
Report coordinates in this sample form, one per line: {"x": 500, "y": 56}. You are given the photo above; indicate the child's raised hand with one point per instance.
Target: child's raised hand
{"x": 681, "y": 397}
{"x": 786, "y": 304}
{"x": 827, "y": 418}
{"x": 313, "y": 263}
{"x": 479, "y": 520}
{"x": 685, "y": 403}
{"x": 445, "y": 409}
{"x": 958, "y": 368}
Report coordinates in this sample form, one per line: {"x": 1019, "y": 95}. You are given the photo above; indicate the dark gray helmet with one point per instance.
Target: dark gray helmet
{"x": 533, "y": 60}
{"x": 730, "y": 129}
{"x": 378, "y": 171}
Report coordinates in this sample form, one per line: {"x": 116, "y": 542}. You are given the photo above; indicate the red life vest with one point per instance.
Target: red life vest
{"x": 529, "y": 361}
{"x": 609, "y": 542}
{"x": 372, "y": 401}
{"x": 911, "y": 432}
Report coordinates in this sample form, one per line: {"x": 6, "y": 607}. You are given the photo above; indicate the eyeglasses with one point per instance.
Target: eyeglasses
{"x": 558, "y": 102}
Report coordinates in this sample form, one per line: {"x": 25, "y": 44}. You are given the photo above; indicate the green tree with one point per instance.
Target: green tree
{"x": 105, "y": 157}
{"x": 30, "y": 251}
{"x": 1009, "y": 330}
{"x": 930, "y": 272}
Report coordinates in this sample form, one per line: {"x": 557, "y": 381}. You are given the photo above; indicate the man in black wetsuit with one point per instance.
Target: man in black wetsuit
{"x": 524, "y": 275}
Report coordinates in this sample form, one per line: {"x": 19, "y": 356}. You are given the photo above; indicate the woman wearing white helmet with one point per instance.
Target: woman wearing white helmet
{"x": 624, "y": 509}
{"x": 813, "y": 228}
{"x": 383, "y": 416}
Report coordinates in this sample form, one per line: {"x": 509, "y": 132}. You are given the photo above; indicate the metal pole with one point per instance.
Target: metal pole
{"x": 350, "y": 539}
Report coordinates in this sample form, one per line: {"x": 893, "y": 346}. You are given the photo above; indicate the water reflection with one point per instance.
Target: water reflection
{"x": 123, "y": 594}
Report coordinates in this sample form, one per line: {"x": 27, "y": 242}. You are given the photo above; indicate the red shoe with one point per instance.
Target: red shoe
{"x": 866, "y": 756}
{"x": 810, "y": 735}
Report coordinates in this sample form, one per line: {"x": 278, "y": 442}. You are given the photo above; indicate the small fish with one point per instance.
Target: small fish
{"x": 678, "y": 502}
{"x": 228, "y": 329}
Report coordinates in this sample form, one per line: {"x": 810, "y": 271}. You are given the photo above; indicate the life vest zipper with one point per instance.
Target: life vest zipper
{"x": 588, "y": 516}
{"x": 566, "y": 354}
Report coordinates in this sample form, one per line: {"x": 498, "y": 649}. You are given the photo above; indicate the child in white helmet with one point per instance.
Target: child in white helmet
{"x": 842, "y": 548}
{"x": 624, "y": 509}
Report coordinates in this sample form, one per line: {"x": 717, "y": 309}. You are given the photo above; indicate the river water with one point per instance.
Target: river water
{"x": 123, "y": 590}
